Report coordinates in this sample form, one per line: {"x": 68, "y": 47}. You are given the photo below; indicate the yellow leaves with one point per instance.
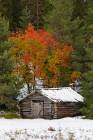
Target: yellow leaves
{"x": 75, "y": 75}
{"x": 60, "y": 58}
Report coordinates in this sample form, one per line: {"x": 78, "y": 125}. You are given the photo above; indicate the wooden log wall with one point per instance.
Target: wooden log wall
{"x": 49, "y": 108}
{"x": 67, "y": 109}
{"x": 26, "y": 107}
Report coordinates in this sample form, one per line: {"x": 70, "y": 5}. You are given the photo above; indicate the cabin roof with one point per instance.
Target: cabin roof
{"x": 64, "y": 94}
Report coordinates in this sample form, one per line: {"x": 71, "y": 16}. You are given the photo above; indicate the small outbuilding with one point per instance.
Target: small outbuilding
{"x": 51, "y": 103}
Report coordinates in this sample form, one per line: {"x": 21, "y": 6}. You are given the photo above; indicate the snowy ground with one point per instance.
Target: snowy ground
{"x": 39, "y": 129}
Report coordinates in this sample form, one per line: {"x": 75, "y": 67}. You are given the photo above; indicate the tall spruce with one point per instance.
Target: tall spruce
{"x": 87, "y": 89}
{"x": 20, "y": 12}
{"x": 12, "y": 10}
{"x": 7, "y": 87}
{"x": 69, "y": 30}
{"x": 25, "y": 18}
{"x": 87, "y": 86}
{"x": 38, "y": 10}
{"x": 80, "y": 8}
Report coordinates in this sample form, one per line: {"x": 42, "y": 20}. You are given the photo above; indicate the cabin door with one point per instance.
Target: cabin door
{"x": 37, "y": 109}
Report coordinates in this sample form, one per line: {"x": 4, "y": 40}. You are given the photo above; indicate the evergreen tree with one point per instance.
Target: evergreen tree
{"x": 87, "y": 89}
{"x": 12, "y": 10}
{"x": 20, "y": 12}
{"x": 25, "y": 18}
{"x": 59, "y": 19}
{"x": 7, "y": 88}
{"x": 80, "y": 8}
{"x": 38, "y": 9}
{"x": 69, "y": 31}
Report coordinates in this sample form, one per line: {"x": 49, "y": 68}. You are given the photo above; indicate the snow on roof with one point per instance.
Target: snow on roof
{"x": 64, "y": 94}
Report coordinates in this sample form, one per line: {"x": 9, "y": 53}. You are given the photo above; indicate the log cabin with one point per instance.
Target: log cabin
{"x": 51, "y": 103}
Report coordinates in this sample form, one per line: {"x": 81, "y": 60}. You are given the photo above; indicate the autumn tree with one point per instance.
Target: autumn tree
{"x": 37, "y": 54}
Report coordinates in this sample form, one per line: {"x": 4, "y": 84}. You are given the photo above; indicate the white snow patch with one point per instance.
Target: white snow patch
{"x": 62, "y": 94}
{"x": 23, "y": 92}
{"x": 65, "y": 94}
{"x": 37, "y": 129}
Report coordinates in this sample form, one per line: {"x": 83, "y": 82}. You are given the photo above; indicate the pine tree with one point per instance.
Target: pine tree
{"x": 21, "y": 12}
{"x": 80, "y": 8}
{"x": 7, "y": 87}
{"x": 38, "y": 10}
{"x": 12, "y": 10}
{"x": 69, "y": 31}
{"x": 25, "y": 18}
{"x": 87, "y": 89}
{"x": 60, "y": 20}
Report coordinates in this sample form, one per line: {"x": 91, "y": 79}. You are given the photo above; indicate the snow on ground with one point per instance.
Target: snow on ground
{"x": 39, "y": 129}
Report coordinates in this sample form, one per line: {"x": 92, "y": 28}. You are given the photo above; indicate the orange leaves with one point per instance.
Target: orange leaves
{"x": 61, "y": 58}
{"x": 40, "y": 54}
{"x": 27, "y": 58}
{"x": 66, "y": 55}
{"x": 30, "y": 33}
{"x": 46, "y": 38}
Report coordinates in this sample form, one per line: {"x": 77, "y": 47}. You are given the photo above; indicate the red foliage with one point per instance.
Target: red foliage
{"x": 42, "y": 51}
